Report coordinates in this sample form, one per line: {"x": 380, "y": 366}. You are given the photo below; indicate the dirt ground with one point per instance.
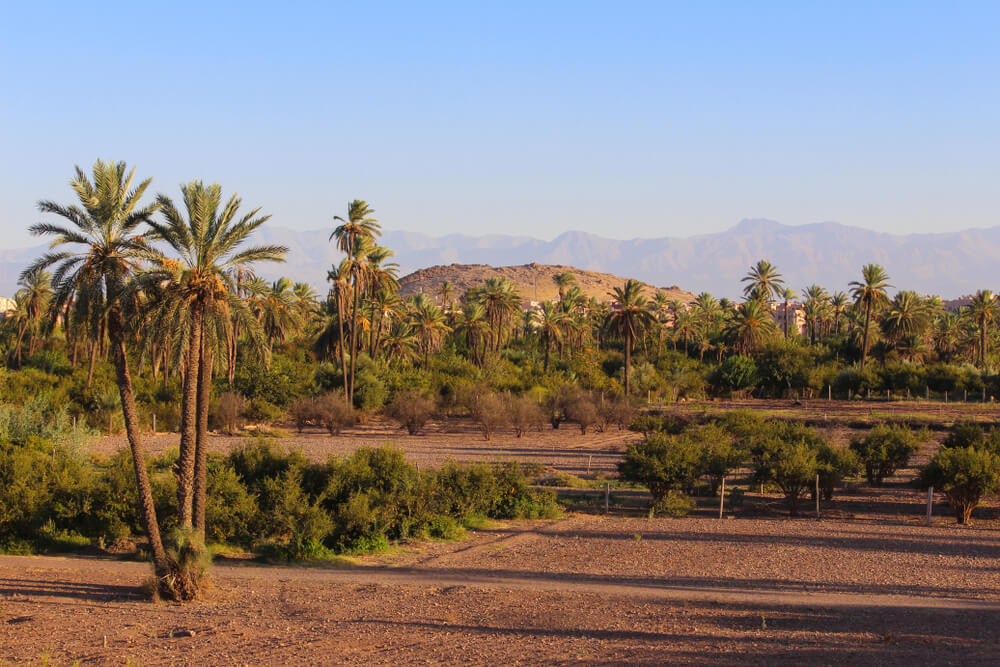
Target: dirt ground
{"x": 580, "y": 590}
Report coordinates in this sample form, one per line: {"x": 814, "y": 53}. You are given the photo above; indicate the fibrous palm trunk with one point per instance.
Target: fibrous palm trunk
{"x": 189, "y": 429}
{"x": 201, "y": 441}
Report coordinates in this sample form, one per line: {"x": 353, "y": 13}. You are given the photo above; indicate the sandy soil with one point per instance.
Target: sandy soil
{"x": 581, "y": 590}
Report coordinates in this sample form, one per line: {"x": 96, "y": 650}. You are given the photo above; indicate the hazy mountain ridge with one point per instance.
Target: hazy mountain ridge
{"x": 950, "y": 264}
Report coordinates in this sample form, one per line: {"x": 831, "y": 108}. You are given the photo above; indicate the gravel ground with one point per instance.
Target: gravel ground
{"x": 66, "y": 610}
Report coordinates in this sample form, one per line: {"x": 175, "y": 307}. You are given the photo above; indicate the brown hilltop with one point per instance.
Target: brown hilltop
{"x": 534, "y": 281}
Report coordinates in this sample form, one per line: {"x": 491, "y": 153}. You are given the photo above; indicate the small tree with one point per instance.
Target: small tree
{"x": 886, "y": 449}
{"x": 719, "y": 454}
{"x": 333, "y": 413}
{"x": 411, "y": 409}
{"x": 229, "y": 411}
{"x": 964, "y": 475}
{"x": 738, "y": 374}
{"x": 582, "y": 412}
{"x": 833, "y": 465}
{"x": 790, "y": 464}
{"x": 525, "y": 414}
{"x": 302, "y": 412}
{"x": 487, "y": 411}
{"x": 662, "y": 463}
{"x": 964, "y": 434}
{"x": 615, "y": 411}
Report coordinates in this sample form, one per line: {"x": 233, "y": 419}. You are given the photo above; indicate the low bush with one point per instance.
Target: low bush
{"x": 487, "y": 411}
{"x": 662, "y": 463}
{"x": 525, "y": 415}
{"x": 412, "y": 409}
{"x": 885, "y": 449}
{"x": 675, "y": 504}
{"x": 333, "y": 412}
{"x": 964, "y": 475}
{"x": 581, "y": 411}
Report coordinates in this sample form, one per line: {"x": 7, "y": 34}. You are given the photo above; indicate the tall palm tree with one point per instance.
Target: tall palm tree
{"x": 551, "y": 321}
{"x": 907, "y": 316}
{"x": 208, "y": 238}
{"x": 786, "y": 294}
{"x": 472, "y": 323}
{"x": 763, "y": 280}
{"x": 339, "y": 278}
{"x": 447, "y": 293}
{"x": 838, "y": 302}
{"x": 983, "y": 312}
{"x": 95, "y": 256}
{"x": 870, "y": 295}
{"x": 429, "y": 325}
{"x": 751, "y": 325}
{"x": 628, "y": 319}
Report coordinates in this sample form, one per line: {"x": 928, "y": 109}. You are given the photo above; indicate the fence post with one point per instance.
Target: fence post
{"x": 817, "y": 496}
{"x": 722, "y": 496}
{"x": 930, "y": 503}
{"x": 965, "y": 396}
{"x": 154, "y": 423}
{"x": 829, "y": 392}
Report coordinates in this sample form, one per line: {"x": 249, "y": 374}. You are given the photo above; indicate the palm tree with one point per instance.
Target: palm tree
{"x": 207, "y": 237}
{"x": 429, "y": 325}
{"x": 339, "y": 278}
{"x": 447, "y": 293}
{"x": 95, "y": 256}
{"x": 551, "y": 321}
{"x": 763, "y": 280}
{"x": 628, "y": 319}
{"x": 870, "y": 295}
{"x": 787, "y": 294}
{"x": 472, "y": 323}
{"x": 907, "y": 316}
{"x": 563, "y": 281}
{"x": 814, "y": 308}
{"x": 752, "y": 324}
{"x": 983, "y": 312}
{"x": 274, "y": 306}
{"x": 838, "y": 301}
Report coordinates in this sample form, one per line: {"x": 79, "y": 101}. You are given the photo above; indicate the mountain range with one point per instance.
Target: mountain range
{"x": 949, "y": 264}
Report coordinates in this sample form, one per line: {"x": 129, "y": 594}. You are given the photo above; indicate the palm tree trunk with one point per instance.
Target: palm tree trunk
{"x": 201, "y": 441}
{"x": 354, "y": 338}
{"x": 628, "y": 362}
{"x": 147, "y": 509}
{"x": 343, "y": 349}
{"x": 189, "y": 428}
{"x": 93, "y": 360}
{"x": 864, "y": 336}
{"x": 547, "y": 345}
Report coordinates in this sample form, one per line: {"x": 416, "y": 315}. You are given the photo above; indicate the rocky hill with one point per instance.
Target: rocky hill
{"x": 534, "y": 281}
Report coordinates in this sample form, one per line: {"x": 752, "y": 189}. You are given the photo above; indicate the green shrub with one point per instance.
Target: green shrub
{"x": 662, "y": 463}
{"x": 790, "y": 463}
{"x": 834, "y": 464}
{"x": 885, "y": 449}
{"x": 674, "y": 504}
{"x": 720, "y": 454}
{"x": 964, "y": 475}
{"x": 964, "y": 434}
{"x": 230, "y": 511}
{"x": 411, "y": 409}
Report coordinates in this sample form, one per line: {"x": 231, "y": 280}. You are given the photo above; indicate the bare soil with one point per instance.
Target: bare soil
{"x": 581, "y": 590}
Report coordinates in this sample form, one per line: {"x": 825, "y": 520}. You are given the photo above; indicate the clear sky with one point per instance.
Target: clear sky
{"x": 620, "y": 118}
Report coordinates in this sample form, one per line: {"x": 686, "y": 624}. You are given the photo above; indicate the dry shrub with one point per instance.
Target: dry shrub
{"x": 614, "y": 412}
{"x": 411, "y": 409}
{"x": 333, "y": 413}
{"x": 303, "y": 411}
{"x": 229, "y": 412}
{"x": 582, "y": 411}
{"x": 525, "y": 414}
{"x": 487, "y": 411}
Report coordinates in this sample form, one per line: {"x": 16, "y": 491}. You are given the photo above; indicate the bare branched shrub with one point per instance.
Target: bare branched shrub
{"x": 525, "y": 414}
{"x": 229, "y": 412}
{"x": 411, "y": 409}
{"x": 615, "y": 412}
{"x": 302, "y": 412}
{"x": 487, "y": 411}
{"x": 582, "y": 411}
{"x": 333, "y": 413}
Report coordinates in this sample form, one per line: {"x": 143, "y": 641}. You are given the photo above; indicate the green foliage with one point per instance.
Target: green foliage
{"x": 787, "y": 459}
{"x": 737, "y": 373}
{"x": 965, "y": 475}
{"x": 886, "y": 448}
{"x": 834, "y": 464}
{"x": 674, "y": 504}
{"x": 662, "y": 463}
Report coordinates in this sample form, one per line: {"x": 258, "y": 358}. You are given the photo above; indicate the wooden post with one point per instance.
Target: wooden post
{"x": 154, "y": 422}
{"x": 722, "y": 497}
{"x": 607, "y": 497}
{"x": 589, "y": 459}
{"x": 930, "y": 503}
{"x": 945, "y": 397}
{"x": 817, "y": 496}
{"x": 965, "y": 396}
{"x": 829, "y": 392}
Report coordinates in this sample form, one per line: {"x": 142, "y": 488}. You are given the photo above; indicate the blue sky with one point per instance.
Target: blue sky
{"x": 624, "y": 119}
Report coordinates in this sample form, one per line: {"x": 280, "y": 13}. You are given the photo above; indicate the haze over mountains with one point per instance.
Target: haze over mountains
{"x": 949, "y": 264}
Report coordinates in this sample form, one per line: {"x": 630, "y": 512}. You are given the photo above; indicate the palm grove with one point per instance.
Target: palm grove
{"x": 160, "y": 300}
